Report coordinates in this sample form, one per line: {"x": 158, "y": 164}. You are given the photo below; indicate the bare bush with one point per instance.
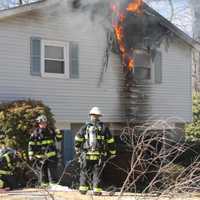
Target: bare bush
{"x": 153, "y": 167}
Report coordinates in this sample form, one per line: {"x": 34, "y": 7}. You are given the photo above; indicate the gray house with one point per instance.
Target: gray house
{"x": 49, "y": 52}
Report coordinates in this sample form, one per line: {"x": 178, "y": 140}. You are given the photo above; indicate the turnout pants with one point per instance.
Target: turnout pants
{"x": 49, "y": 167}
{"x": 90, "y": 175}
{"x": 8, "y": 181}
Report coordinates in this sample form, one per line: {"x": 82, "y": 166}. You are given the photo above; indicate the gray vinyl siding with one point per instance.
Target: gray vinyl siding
{"x": 71, "y": 99}
{"x": 172, "y": 98}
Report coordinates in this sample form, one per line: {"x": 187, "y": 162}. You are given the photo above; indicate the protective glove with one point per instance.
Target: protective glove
{"x": 104, "y": 157}
{"x": 79, "y": 157}
{"x": 78, "y": 152}
{"x": 112, "y": 156}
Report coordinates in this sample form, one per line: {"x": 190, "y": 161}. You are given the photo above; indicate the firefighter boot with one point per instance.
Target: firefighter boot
{"x": 83, "y": 189}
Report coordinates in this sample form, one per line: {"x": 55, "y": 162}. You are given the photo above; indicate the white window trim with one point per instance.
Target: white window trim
{"x": 65, "y": 46}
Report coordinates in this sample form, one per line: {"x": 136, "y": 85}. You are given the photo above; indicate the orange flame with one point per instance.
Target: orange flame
{"x": 131, "y": 64}
{"x": 134, "y": 6}
{"x": 119, "y": 32}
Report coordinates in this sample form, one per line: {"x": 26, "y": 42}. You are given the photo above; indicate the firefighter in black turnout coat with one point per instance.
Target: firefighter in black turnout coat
{"x": 8, "y": 160}
{"x": 42, "y": 147}
{"x": 93, "y": 143}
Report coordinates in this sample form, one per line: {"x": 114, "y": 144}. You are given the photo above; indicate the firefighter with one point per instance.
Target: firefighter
{"x": 42, "y": 148}
{"x": 93, "y": 143}
{"x": 8, "y": 161}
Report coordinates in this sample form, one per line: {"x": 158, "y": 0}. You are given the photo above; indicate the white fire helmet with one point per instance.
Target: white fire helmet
{"x": 41, "y": 118}
{"x": 95, "y": 111}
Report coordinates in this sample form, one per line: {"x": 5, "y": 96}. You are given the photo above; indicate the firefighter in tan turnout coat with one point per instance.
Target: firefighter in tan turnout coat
{"x": 93, "y": 144}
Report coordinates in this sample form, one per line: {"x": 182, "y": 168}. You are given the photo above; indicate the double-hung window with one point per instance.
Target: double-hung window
{"x": 143, "y": 67}
{"x": 54, "y": 59}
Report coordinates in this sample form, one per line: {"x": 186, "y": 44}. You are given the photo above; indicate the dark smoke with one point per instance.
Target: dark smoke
{"x": 95, "y": 8}
{"x": 140, "y": 30}
{"x": 76, "y": 4}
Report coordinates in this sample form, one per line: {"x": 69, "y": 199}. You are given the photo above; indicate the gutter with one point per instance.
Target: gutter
{"x": 26, "y": 8}
{"x": 174, "y": 29}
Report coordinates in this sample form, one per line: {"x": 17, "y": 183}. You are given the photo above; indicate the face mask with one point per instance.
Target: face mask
{"x": 43, "y": 126}
{"x": 94, "y": 118}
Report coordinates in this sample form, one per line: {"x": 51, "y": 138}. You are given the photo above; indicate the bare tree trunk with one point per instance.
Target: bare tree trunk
{"x": 20, "y": 2}
{"x": 172, "y": 9}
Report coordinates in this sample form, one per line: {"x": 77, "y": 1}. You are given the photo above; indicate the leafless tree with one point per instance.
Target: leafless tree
{"x": 178, "y": 12}
{"x": 153, "y": 161}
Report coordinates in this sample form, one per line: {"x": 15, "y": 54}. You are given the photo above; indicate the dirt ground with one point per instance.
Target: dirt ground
{"x": 36, "y": 194}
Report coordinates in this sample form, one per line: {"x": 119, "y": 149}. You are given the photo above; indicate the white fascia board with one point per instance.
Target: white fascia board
{"x": 26, "y": 8}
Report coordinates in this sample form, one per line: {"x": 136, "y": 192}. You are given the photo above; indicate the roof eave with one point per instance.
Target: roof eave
{"x": 174, "y": 29}
{"x": 22, "y": 9}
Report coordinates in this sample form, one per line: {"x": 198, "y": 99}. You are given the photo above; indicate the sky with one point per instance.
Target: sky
{"x": 182, "y": 13}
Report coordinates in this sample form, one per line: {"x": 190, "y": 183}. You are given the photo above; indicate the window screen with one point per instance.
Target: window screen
{"x": 54, "y": 59}
{"x": 142, "y": 65}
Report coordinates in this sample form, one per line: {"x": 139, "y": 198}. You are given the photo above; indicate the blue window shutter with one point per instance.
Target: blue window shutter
{"x": 35, "y": 56}
{"x": 74, "y": 60}
{"x": 158, "y": 67}
{"x": 68, "y": 148}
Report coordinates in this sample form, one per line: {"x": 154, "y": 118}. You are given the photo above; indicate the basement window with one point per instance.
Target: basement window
{"x": 142, "y": 68}
{"x": 55, "y": 61}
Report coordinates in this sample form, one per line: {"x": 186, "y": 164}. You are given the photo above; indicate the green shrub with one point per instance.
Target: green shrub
{"x": 193, "y": 129}
{"x": 17, "y": 119}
